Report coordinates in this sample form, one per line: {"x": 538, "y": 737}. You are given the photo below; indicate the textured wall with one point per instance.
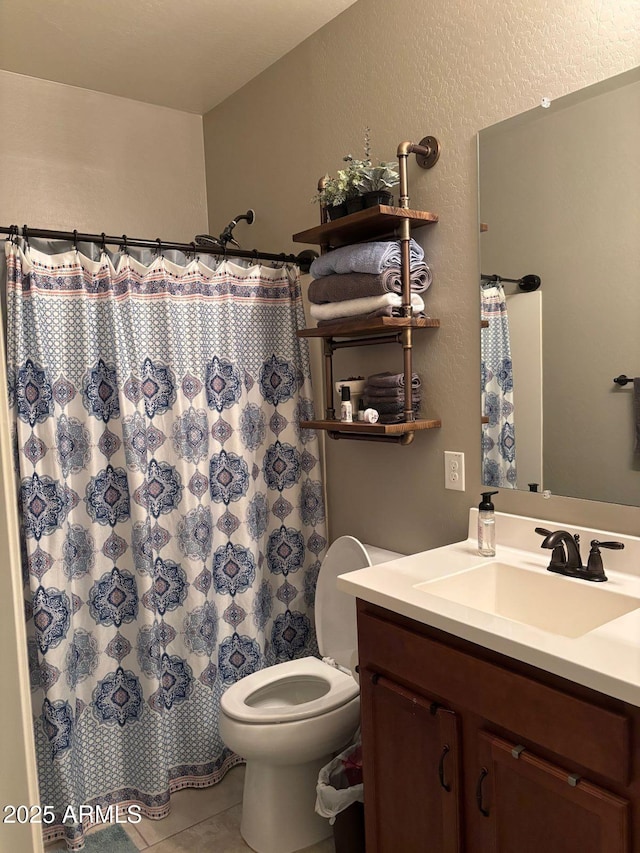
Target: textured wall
{"x": 408, "y": 68}
{"x": 72, "y": 158}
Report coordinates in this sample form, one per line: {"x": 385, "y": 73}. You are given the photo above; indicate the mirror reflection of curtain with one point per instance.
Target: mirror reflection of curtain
{"x": 498, "y": 435}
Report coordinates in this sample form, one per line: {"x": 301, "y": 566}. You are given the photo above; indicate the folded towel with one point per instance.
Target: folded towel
{"x": 392, "y": 380}
{"x": 336, "y": 288}
{"x": 393, "y": 419}
{"x": 387, "y": 311}
{"x": 365, "y": 257}
{"x": 389, "y": 394}
{"x": 355, "y": 307}
{"x": 384, "y": 407}
{"x": 636, "y": 407}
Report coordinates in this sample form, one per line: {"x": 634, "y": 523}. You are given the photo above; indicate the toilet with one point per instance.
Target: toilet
{"x": 289, "y": 720}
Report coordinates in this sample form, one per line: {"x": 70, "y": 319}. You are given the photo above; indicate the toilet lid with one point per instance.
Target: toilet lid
{"x": 335, "y": 610}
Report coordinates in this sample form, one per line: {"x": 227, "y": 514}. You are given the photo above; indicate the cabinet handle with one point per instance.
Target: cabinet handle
{"x": 375, "y": 677}
{"x": 484, "y": 772}
{"x": 445, "y": 750}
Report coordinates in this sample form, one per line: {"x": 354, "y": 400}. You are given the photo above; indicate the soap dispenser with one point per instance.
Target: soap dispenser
{"x": 486, "y": 526}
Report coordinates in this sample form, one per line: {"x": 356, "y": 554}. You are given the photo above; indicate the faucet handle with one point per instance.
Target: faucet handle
{"x": 595, "y": 567}
{"x": 542, "y": 531}
{"x": 558, "y": 555}
{"x": 614, "y": 546}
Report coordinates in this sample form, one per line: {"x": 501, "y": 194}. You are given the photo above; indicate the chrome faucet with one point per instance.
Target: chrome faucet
{"x": 566, "y": 558}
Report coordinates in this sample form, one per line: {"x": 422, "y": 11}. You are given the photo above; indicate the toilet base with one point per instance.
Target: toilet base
{"x": 278, "y": 806}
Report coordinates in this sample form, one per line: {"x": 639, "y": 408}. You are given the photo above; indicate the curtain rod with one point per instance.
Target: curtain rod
{"x": 303, "y": 259}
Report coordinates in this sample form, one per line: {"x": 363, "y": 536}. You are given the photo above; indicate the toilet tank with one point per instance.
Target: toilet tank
{"x": 336, "y": 627}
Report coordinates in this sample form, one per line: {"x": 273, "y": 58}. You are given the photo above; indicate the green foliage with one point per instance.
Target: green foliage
{"x": 357, "y": 178}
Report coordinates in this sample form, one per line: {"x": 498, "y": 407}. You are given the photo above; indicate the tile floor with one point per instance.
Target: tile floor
{"x": 201, "y": 819}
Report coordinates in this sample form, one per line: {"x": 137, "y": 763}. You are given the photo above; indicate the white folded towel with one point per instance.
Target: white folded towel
{"x": 366, "y": 305}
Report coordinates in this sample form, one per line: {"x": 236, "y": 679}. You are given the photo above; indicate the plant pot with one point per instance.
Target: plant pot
{"x": 374, "y": 197}
{"x": 336, "y": 211}
{"x": 354, "y": 204}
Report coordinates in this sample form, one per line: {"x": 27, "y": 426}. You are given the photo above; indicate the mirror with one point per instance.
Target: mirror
{"x": 560, "y": 198}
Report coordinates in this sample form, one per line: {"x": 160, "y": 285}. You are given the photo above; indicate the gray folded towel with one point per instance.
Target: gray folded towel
{"x": 636, "y": 408}
{"x": 388, "y": 407}
{"x": 335, "y": 288}
{"x": 365, "y": 257}
{"x": 387, "y": 311}
{"x": 377, "y": 393}
{"x": 392, "y": 380}
{"x": 394, "y": 419}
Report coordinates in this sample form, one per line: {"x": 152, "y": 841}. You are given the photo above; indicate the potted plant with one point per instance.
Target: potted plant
{"x": 360, "y": 184}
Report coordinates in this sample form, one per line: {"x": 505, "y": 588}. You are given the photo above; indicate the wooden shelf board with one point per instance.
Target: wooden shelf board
{"x": 484, "y": 419}
{"x": 484, "y": 324}
{"x": 376, "y": 326}
{"x": 365, "y": 224}
{"x": 372, "y": 429}
{"x": 483, "y": 227}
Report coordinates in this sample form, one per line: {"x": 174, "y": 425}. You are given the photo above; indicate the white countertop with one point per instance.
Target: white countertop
{"x": 606, "y": 659}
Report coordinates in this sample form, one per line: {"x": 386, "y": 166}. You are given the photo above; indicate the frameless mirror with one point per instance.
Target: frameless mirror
{"x": 560, "y": 198}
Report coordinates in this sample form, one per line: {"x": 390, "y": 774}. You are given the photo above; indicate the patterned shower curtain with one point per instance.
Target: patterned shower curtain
{"x": 172, "y": 511}
{"x": 498, "y": 436}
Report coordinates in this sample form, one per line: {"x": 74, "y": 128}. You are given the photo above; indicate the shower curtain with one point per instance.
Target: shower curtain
{"x": 172, "y": 511}
{"x": 498, "y": 435}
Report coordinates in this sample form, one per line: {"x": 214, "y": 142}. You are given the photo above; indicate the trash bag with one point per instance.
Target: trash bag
{"x": 340, "y": 782}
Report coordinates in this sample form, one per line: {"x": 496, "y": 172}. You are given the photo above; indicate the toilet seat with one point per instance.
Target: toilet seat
{"x": 332, "y": 688}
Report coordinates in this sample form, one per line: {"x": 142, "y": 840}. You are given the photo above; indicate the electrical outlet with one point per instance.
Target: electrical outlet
{"x": 454, "y": 470}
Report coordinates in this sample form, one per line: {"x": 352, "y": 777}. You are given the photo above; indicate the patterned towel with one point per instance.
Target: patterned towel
{"x": 356, "y": 307}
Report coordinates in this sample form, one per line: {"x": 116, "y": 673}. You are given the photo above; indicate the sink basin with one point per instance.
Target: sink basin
{"x": 566, "y": 607}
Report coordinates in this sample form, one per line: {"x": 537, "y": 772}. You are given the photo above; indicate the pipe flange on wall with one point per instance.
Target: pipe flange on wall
{"x": 430, "y": 158}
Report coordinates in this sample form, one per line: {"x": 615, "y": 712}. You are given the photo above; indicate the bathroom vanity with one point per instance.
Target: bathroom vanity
{"x": 486, "y": 734}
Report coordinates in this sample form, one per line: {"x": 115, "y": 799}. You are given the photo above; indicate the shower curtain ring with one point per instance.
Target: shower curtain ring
{"x": 283, "y": 260}
{"x": 25, "y": 235}
{"x": 103, "y": 243}
{"x": 124, "y": 244}
{"x": 159, "y": 251}
{"x": 256, "y": 255}
{"x": 75, "y": 239}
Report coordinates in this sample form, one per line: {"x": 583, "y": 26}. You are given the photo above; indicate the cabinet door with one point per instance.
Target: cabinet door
{"x": 411, "y": 770}
{"x": 530, "y": 805}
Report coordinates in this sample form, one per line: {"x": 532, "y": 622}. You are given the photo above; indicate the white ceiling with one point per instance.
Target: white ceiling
{"x": 186, "y": 54}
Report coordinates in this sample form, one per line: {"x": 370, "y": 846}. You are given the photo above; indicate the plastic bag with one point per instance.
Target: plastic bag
{"x": 340, "y": 782}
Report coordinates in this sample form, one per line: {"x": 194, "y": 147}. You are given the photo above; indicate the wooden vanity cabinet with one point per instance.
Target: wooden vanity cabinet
{"x": 468, "y": 751}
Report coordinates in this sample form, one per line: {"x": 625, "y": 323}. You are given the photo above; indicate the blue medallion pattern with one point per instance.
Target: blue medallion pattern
{"x": 57, "y": 721}
{"x": 195, "y": 533}
{"x": 100, "y": 391}
{"x": 498, "y": 435}
{"x": 32, "y": 393}
{"x": 201, "y": 629}
{"x": 238, "y": 656}
{"x": 78, "y": 556}
{"x": 51, "y": 617}
{"x": 169, "y": 588}
{"x": 222, "y": 384}
{"x": 285, "y": 551}
{"x": 191, "y": 435}
{"x": 114, "y": 598}
{"x": 45, "y": 504}
{"x": 117, "y": 699}
{"x": 281, "y": 466}
{"x": 234, "y": 569}
{"x": 158, "y": 386}
{"x": 278, "y": 380}
{"x": 167, "y": 507}
{"x": 162, "y": 491}
{"x": 107, "y": 497}
{"x": 74, "y": 445}
{"x": 228, "y": 477}
{"x": 82, "y": 657}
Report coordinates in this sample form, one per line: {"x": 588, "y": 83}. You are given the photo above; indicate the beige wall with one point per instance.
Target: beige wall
{"x": 407, "y": 69}
{"x": 557, "y": 210}
{"x": 72, "y": 158}
{"x": 76, "y": 159}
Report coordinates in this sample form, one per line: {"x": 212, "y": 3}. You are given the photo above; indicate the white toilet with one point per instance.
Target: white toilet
{"x": 288, "y": 720}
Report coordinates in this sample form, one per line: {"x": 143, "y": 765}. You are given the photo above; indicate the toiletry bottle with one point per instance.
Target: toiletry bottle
{"x": 486, "y": 526}
{"x": 346, "y": 409}
{"x": 361, "y": 409}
